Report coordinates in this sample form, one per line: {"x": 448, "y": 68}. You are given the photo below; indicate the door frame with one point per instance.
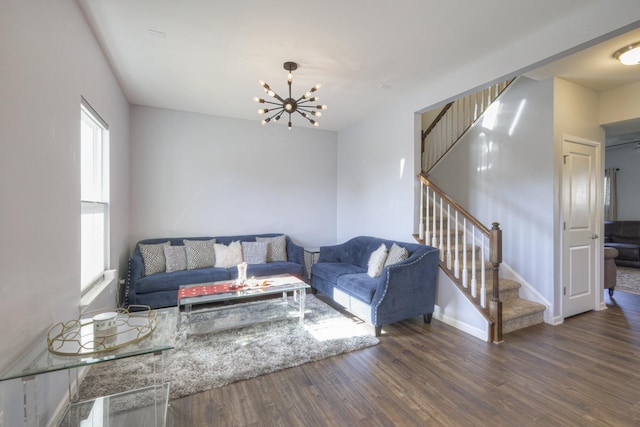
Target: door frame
{"x": 598, "y": 303}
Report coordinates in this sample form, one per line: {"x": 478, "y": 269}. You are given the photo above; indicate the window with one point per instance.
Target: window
{"x": 94, "y": 195}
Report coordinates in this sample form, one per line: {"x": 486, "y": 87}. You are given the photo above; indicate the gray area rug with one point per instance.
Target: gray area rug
{"x": 205, "y": 361}
{"x": 628, "y": 280}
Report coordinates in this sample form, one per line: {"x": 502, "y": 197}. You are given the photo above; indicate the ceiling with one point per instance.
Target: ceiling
{"x": 207, "y": 56}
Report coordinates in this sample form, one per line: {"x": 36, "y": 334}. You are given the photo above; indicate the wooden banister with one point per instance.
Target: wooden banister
{"x": 460, "y": 260}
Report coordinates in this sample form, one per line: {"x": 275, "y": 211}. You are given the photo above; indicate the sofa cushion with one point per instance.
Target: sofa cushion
{"x": 376, "y": 261}
{"x": 255, "y": 252}
{"x": 172, "y": 281}
{"x": 176, "y": 257}
{"x": 153, "y": 257}
{"x": 273, "y": 268}
{"x": 277, "y": 248}
{"x": 361, "y": 286}
{"x": 228, "y": 256}
{"x": 330, "y": 271}
{"x": 200, "y": 253}
{"x": 396, "y": 254}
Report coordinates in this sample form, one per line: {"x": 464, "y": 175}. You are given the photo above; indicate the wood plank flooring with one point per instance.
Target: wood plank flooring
{"x": 583, "y": 372}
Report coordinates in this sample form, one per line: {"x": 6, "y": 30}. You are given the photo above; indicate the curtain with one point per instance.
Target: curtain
{"x": 610, "y": 194}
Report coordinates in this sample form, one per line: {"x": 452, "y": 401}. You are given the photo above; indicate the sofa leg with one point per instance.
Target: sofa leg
{"x": 610, "y": 292}
{"x": 314, "y": 291}
{"x": 427, "y": 317}
{"x": 378, "y": 331}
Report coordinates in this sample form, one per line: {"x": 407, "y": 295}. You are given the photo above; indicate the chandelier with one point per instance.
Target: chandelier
{"x": 302, "y": 105}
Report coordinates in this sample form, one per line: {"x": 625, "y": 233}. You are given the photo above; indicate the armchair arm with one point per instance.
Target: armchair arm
{"x": 408, "y": 288}
{"x": 135, "y": 272}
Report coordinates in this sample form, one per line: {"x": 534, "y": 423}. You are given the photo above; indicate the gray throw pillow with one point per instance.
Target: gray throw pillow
{"x": 396, "y": 254}
{"x": 153, "y": 257}
{"x": 255, "y": 252}
{"x": 200, "y": 253}
{"x": 176, "y": 258}
{"x": 277, "y": 248}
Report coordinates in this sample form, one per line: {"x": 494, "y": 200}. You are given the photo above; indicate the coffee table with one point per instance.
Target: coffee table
{"x": 214, "y": 299}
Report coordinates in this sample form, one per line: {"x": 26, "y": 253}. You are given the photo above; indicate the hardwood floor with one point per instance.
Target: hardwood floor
{"x": 583, "y": 372}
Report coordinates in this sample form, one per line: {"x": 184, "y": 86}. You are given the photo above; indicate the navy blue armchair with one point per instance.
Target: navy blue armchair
{"x": 403, "y": 290}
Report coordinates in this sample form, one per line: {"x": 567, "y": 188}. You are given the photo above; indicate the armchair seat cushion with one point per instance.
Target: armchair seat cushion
{"x": 360, "y": 285}
{"x": 331, "y": 271}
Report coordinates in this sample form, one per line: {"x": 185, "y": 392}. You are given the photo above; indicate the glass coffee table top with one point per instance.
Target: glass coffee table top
{"x": 40, "y": 360}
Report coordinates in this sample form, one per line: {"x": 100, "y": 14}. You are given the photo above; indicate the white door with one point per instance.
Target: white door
{"x": 580, "y": 247}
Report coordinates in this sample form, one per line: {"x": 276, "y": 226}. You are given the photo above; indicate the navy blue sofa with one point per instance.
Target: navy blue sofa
{"x": 161, "y": 289}
{"x": 403, "y": 290}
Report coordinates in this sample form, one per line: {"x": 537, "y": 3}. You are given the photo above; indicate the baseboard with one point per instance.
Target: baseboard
{"x": 464, "y": 327}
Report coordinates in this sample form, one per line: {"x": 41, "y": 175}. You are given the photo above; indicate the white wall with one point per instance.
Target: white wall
{"x": 376, "y": 176}
{"x": 619, "y": 104}
{"x": 200, "y": 175}
{"x": 506, "y": 175}
{"x": 48, "y": 59}
{"x": 628, "y": 161}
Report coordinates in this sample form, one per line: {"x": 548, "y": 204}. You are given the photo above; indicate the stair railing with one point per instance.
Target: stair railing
{"x": 466, "y": 248}
{"x": 453, "y": 121}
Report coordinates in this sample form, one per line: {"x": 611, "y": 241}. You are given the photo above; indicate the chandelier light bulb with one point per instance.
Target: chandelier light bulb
{"x": 289, "y": 104}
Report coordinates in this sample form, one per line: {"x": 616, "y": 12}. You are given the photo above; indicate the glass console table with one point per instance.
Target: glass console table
{"x": 40, "y": 360}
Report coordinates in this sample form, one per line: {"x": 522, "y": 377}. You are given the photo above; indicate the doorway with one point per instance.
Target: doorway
{"x": 581, "y": 243}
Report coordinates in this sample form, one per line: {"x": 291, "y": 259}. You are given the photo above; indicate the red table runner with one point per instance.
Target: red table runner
{"x": 194, "y": 291}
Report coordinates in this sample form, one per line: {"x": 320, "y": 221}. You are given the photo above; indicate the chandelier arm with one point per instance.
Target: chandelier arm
{"x": 270, "y": 102}
{"x": 305, "y": 109}
{"x": 313, "y": 122}
{"x": 276, "y": 96}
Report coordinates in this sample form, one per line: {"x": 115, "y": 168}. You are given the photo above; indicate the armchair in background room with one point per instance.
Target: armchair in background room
{"x": 610, "y": 268}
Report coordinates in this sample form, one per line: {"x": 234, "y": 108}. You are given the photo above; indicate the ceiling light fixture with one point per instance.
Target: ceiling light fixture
{"x": 301, "y": 105}
{"x": 629, "y": 55}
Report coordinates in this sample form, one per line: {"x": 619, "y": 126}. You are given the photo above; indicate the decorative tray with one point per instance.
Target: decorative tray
{"x": 81, "y": 336}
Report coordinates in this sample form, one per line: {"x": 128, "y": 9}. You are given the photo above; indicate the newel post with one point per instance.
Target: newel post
{"x": 495, "y": 257}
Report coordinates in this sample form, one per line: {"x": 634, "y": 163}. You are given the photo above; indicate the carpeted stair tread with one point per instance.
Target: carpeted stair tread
{"x": 519, "y": 313}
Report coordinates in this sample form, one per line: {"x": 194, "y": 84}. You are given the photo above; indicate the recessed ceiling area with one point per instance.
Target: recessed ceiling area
{"x": 207, "y": 57}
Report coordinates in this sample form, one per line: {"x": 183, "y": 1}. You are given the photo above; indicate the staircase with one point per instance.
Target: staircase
{"x": 517, "y": 313}
{"x": 470, "y": 253}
